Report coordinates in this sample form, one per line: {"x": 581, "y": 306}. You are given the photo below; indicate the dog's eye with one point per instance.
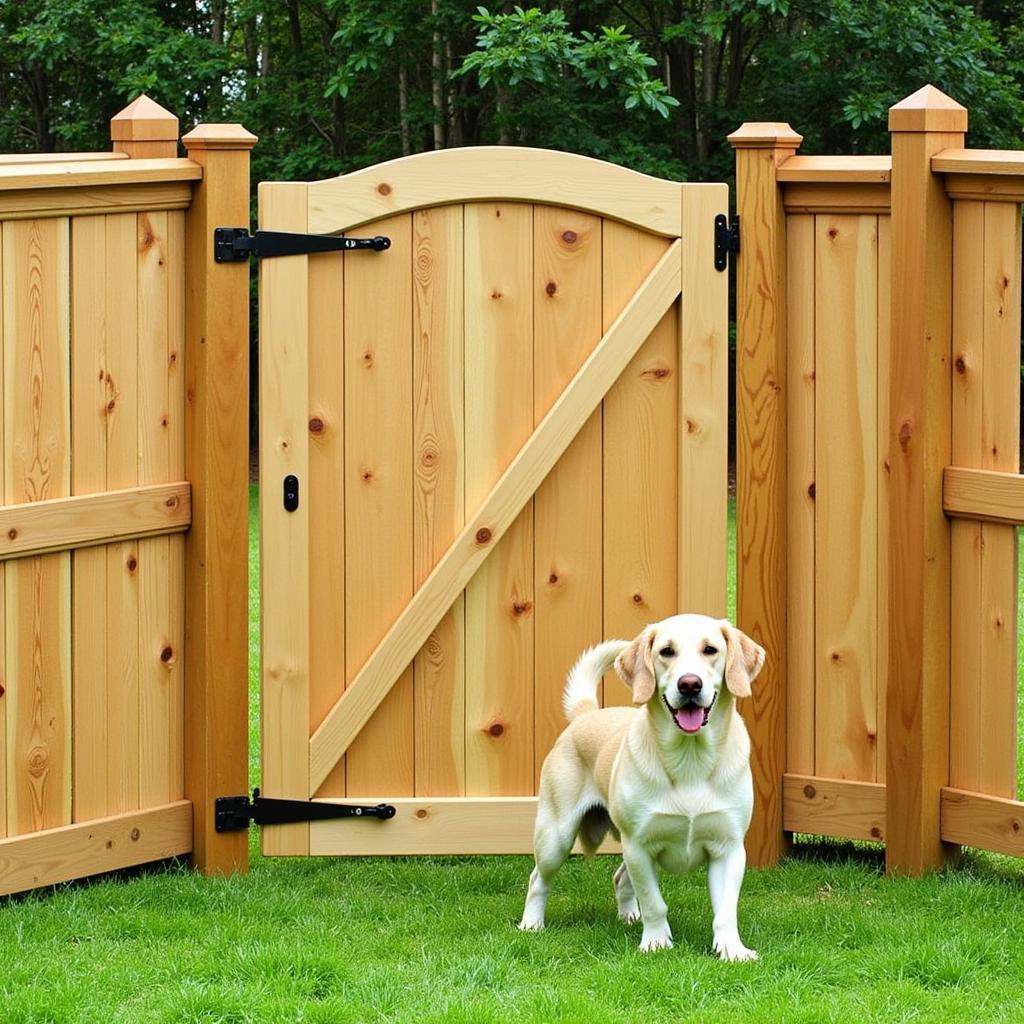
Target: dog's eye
{"x": 667, "y": 652}
{"x": 710, "y": 651}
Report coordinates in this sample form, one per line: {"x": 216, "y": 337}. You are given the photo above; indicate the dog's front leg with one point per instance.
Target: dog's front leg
{"x": 643, "y": 873}
{"x": 725, "y": 877}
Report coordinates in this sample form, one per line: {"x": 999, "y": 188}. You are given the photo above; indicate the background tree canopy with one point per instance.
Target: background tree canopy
{"x": 331, "y": 85}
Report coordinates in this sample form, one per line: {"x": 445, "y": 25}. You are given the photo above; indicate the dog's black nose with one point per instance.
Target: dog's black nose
{"x": 689, "y": 685}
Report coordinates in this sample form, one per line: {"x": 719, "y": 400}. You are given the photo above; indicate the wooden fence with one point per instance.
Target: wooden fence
{"x": 878, "y": 416}
{"x": 123, "y": 510}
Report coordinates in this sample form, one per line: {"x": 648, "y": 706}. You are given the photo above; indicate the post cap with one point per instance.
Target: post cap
{"x": 144, "y": 120}
{"x": 765, "y": 135}
{"x": 219, "y": 136}
{"x": 928, "y": 110}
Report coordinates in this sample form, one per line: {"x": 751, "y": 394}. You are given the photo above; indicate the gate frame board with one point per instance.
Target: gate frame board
{"x": 296, "y": 764}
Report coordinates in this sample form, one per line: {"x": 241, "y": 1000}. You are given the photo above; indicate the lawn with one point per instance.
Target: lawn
{"x": 435, "y": 940}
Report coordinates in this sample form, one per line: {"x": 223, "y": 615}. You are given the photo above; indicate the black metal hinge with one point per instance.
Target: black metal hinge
{"x": 233, "y": 245}
{"x": 234, "y": 813}
{"x": 727, "y": 239}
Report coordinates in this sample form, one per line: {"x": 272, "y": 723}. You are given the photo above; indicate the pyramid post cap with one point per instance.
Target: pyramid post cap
{"x": 144, "y": 120}
{"x": 219, "y": 136}
{"x": 928, "y": 110}
{"x": 765, "y": 135}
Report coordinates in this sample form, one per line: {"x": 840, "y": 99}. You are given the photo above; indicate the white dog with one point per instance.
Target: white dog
{"x": 671, "y": 777}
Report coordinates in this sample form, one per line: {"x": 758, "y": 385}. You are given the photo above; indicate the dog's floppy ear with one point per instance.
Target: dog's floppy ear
{"x": 636, "y": 667}
{"x": 743, "y": 659}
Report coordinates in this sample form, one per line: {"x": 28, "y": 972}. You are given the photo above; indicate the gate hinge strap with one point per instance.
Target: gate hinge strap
{"x": 234, "y": 813}
{"x": 232, "y": 245}
{"x": 727, "y": 239}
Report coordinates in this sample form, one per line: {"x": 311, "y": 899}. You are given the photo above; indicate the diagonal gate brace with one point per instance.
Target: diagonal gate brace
{"x": 498, "y": 511}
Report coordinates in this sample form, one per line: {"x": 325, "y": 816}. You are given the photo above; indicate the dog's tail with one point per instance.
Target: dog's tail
{"x": 581, "y": 687}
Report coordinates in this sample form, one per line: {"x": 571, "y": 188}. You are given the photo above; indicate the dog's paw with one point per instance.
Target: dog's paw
{"x": 630, "y": 913}
{"x": 531, "y": 924}
{"x": 730, "y": 948}
{"x": 656, "y": 940}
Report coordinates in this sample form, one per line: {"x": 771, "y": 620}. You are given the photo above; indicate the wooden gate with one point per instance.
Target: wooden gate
{"x": 509, "y": 433}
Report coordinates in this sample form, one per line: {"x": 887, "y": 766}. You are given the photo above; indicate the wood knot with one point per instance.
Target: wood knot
{"x": 810, "y": 792}
{"x": 163, "y": 421}
{"x": 167, "y": 654}
{"x": 12, "y": 534}
{"x": 638, "y": 599}
{"x": 656, "y": 373}
{"x": 569, "y": 237}
{"x": 496, "y": 730}
{"x": 316, "y": 425}
{"x": 551, "y": 288}
{"x": 421, "y": 813}
{"x": 496, "y": 294}
{"x": 429, "y": 455}
{"x": 483, "y": 535}
{"x": 521, "y": 607}
{"x": 1015, "y": 825}
{"x": 812, "y": 491}
{"x": 2, "y": 689}
{"x": 961, "y": 365}
{"x": 833, "y": 232}
{"x": 111, "y": 405}
{"x": 553, "y": 578}
{"x": 173, "y": 358}
{"x": 691, "y": 427}
{"x": 368, "y": 359}
{"x": 172, "y": 502}
{"x": 367, "y": 475}
{"x": 905, "y": 434}
{"x": 836, "y": 657}
{"x": 132, "y": 563}
{"x": 37, "y": 762}
{"x": 135, "y": 835}
{"x": 384, "y": 188}
{"x": 876, "y": 832}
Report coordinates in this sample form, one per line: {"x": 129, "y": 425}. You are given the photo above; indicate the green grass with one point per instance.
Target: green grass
{"x": 434, "y": 939}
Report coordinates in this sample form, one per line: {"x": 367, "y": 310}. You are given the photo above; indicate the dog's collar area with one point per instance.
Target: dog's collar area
{"x": 686, "y": 714}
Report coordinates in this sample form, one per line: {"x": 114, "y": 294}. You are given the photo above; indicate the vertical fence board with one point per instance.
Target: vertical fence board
{"x": 439, "y": 491}
{"x": 90, "y": 394}
{"x": 123, "y": 594}
{"x": 846, "y": 496}
{"x": 379, "y": 497}
{"x": 568, "y": 570}
{"x": 499, "y": 418}
{"x": 800, "y": 502}
{"x": 285, "y": 541}
{"x": 640, "y": 456}
{"x": 158, "y": 647}
{"x": 703, "y": 390}
{"x": 325, "y": 494}
{"x": 37, "y": 466}
{"x": 882, "y": 472}
{"x": 4, "y": 682}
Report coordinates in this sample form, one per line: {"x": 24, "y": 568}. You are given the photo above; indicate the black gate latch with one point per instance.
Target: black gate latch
{"x": 233, "y": 245}
{"x": 727, "y": 239}
{"x": 234, "y": 813}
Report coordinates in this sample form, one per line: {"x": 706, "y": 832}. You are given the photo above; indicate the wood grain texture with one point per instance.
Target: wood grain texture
{"x": 641, "y": 458}
{"x": 823, "y": 197}
{"x": 438, "y": 826}
{"x": 917, "y": 706}
{"x": 91, "y": 848}
{"x": 285, "y": 563}
{"x": 567, "y": 510}
{"x": 884, "y": 327}
{"x": 123, "y": 571}
{"x": 846, "y": 497}
{"x": 761, "y": 339}
{"x": 983, "y": 494}
{"x": 325, "y": 494}
{"x": 36, "y": 434}
{"x": 703, "y": 419}
{"x": 485, "y": 527}
{"x": 379, "y": 495}
{"x": 32, "y": 204}
{"x": 985, "y": 188}
{"x": 800, "y": 498}
{"x": 58, "y": 524}
{"x": 836, "y": 168}
{"x": 439, "y": 491}
{"x": 500, "y": 174}
{"x": 987, "y": 822}
{"x": 4, "y": 682}
{"x": 499, "y": 419}
{"x": 833, "y": 807}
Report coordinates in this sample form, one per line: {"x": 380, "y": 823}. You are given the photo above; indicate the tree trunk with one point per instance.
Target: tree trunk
{"x": 403, "y": 109}
{"x": 437, "y": 82}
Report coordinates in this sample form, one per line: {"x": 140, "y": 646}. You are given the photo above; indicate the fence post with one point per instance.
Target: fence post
{"x": 761, "y": 461}
{"x": 217, "y": 465}
{"x": 917, "y": 702}
{"x": 144, "y": 130}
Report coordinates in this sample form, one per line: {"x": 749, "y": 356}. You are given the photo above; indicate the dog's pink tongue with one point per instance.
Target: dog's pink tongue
{"x": 690, "y": 718}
